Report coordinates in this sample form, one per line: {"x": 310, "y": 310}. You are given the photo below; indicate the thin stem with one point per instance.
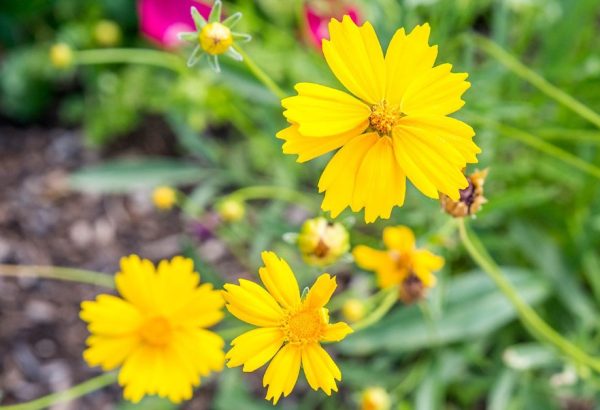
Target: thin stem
{"x": 272, "y": 192}
{"x": 63, "y": 396}
{"x": 539, "y": 144}
{"x": 389, "y": 300}
{"x": 58, "y": 272}
{"x": 520, "y": 69}
{"x": 261, "y": 75}
{"x": 532, "y": 321}
{"x": 131, "y": 56}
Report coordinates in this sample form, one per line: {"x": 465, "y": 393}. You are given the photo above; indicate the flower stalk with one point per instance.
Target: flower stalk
{"x": 74, "y": 392}
{"x": 131, "y": 56}
{"x": 532, "y": 321}
{"x": 260, "y": 74}
{"x": 57, "y": 272}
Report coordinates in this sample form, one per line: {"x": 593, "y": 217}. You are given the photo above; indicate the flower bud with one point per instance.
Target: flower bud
{"x": 215, "y": 38}
{"x": 61, "y": 55}
{"x": 107, "y": 33}
{"x": 375, "y": 398}
{"x": 164, "y": 197}
{"x": 321, "y": 242}
{"x": 353, "y": 310}
{"x": 231, "y": 210}
{"x": 471, "y": 198}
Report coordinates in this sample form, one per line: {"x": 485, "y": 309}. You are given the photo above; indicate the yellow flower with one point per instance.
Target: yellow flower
{"x": 61, "y": 55}
{"x": 214, "y": 37}
{"x": 353, "y": 310}
{"x": 290, "y": 329}
{"x": 394, "y": 126}
{"x": 402, "y": 264}
{"x": 164, "y": 197}
{"x": 156, "y": 330}
{"x": 375, "y": 398}
{"x": 231, "y": 210}
{"x": 322, "y": 242}
{"x": 107, "y": 33}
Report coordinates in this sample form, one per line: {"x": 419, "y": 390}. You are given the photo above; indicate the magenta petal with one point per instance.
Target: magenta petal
{"x": 162, "y": 20}
{"x": 318, "y": 24}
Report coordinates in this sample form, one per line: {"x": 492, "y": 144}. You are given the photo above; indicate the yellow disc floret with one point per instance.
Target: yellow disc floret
{"x": 156, "y": 331}
{"x": 384, "y": 118}
{"x": 215, "y": 38}
{"x": 305, "y": 326}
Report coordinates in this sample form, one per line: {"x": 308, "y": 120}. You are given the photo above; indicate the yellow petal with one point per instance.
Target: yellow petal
{"x": 450, "y": 130}
{"x": 354, "y": 55}
{"x": 322, "y": 111}
{"x": 320, "y": 369}
{"x": 399, "y": 238}
{"x": 136, "y": 373}
{"x": 254, "y": 348}
{"x": 279, "y": 280}
{"x": 407, "y": 56}
{"x": 368, "y": 258}
{"x": 320, "y": 293}
{"x": 282, "y": 373}
{"x": 339, "y": 177}
{"x": 424, "y": 264}
{"x": 390, "y": 275}
{"x": 308, "y": 148}
{"x": 436, "y": 91}
{"x": 336, "y": 332}
{"x": 109, "y": 351}
{"x": 210, "y": 357}
{"x": 201, "y": 309}
{"x": 252, "y": 304}
{"x": 431, "y": 164}
{"x": 136, "y": 281}
{"x": 175, "y": 284}
{"x": 110, "y": 315}
{"x": 380, "y": 182}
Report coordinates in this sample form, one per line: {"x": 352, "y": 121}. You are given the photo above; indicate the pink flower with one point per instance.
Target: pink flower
{"x": 162, "y": 20}
{"x": 318, "y": 20}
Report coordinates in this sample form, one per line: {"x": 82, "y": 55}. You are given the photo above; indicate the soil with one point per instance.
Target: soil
{"x": 43, "y": 222}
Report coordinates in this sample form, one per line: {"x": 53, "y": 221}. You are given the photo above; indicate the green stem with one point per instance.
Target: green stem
{"x": 532, "y": 321}
{"x": 539, "y": 144}
{"x": 63, "y": 396}
{"x": 389, "y": 300}
{"x": 131, "y": 56}
{"x": 57, "y": 272}
{"x": 261, "y": 75}
{"x": 520, "y": 69}
{"x": 272, "y": 192}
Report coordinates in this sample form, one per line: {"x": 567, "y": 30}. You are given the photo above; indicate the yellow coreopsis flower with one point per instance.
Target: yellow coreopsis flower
{"x": 290, "y": 329}
{"x": 402, "y": 264}
{"x": 393, "y": 125}
{"x": 156, "y": 331}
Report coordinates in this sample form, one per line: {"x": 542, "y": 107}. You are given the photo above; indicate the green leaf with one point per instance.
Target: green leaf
{"x": 148, "y": 403}
{"x": 233, "y": 394}
{"x": 126, "y": 174}
{"x": 473, "y": 307}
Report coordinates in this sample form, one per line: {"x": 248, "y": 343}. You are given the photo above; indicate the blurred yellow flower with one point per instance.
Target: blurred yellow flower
{"x": 107, "y": 33}
{"x": 61, "y": 55}
{"x": 375, "y": 398}
{"x": 402, "y": 264}
{"x": 290, "y": 329}
{"x": 353, "y": 310}
{"x": 164, "y": 197}
{"x": 322, "y": 242}
{"x": 215, "y": 38}
{"x": 394, "y": 126}
{"x": 156, "y": 330}
{"x": 231, "y": 210}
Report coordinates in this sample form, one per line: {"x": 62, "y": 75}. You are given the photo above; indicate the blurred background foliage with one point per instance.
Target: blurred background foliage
{"x": 464, "y": 347}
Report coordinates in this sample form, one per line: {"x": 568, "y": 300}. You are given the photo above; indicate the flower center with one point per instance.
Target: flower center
{"x": 304, "y": 326}
{"x": 215, "y": 38}
{"x": 384, "y": 118}
{"x": 403, "y": 260}
{"x": 156, "y": 331}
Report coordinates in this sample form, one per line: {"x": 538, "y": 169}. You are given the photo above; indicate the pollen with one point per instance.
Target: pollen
{"x": 215, "y": 38}
{"x": 384, "y": 118}
{"x": 304, "y": 326}
{"x": 156, "y": 331}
